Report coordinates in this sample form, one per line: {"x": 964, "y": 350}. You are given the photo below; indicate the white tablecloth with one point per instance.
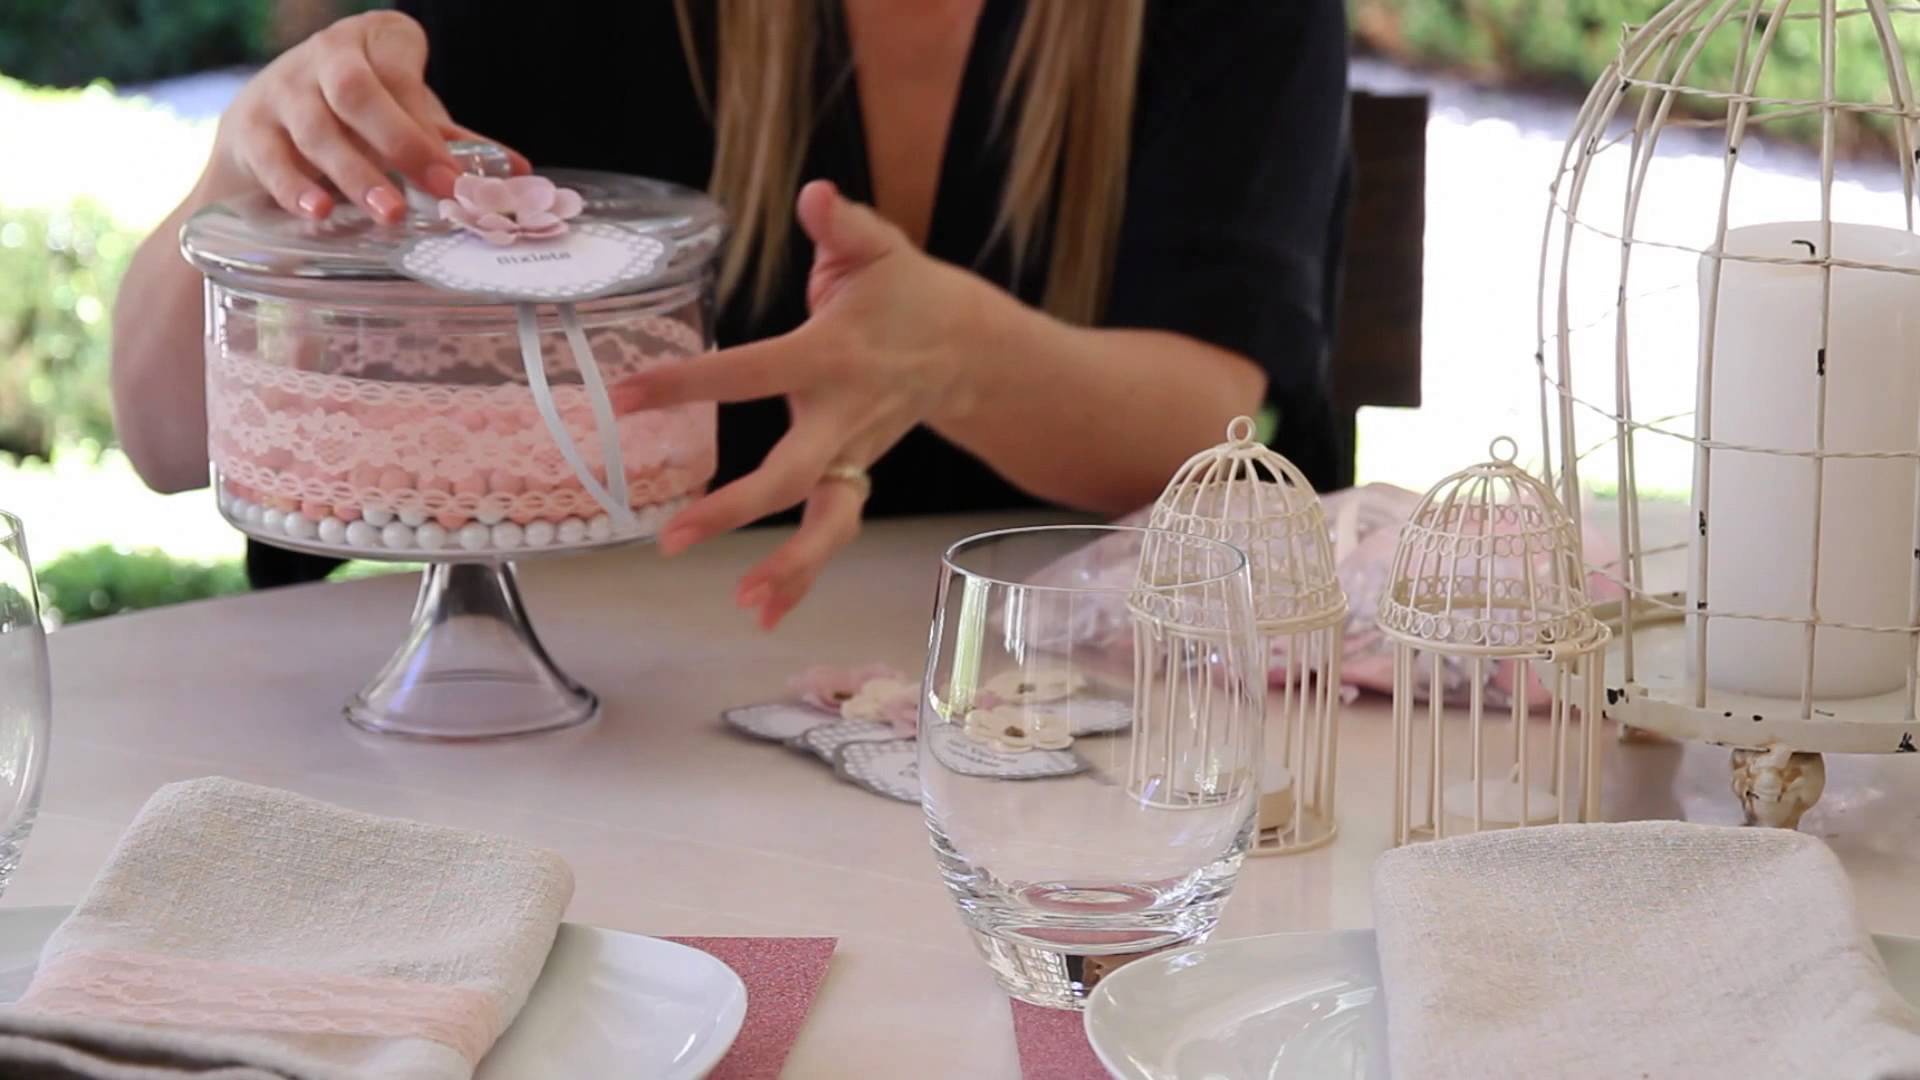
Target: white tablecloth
{"x": 673, "y": 824}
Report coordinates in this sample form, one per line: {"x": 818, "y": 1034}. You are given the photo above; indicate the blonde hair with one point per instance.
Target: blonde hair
{"x": 1068, "y": 88}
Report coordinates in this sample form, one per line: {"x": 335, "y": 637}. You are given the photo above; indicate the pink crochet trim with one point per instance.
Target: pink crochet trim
{"x": 176, "y": 991}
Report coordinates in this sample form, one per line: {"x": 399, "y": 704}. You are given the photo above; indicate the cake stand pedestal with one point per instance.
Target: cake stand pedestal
{"x": 471, "y": 666}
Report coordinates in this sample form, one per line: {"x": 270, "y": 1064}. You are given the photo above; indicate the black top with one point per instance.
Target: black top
{"x": 1234, "y": 203}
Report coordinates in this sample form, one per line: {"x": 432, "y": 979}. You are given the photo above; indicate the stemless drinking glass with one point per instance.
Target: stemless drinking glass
{"x": 1090, "y": 746}
{"x": 26, "y": 702}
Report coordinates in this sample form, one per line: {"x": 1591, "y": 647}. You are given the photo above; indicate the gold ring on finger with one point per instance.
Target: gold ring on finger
{"x": 851, "y": 475}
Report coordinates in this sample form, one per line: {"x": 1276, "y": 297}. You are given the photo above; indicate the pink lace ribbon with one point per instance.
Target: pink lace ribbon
{"x": 206, "y": 995}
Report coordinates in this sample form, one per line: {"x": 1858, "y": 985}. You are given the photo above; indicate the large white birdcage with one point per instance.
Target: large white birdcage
{"x": 1729, "y": 364}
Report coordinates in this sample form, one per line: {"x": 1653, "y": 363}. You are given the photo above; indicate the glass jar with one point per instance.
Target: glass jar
{"x": 353, "y": 411}
{"x": 359, "y": 411}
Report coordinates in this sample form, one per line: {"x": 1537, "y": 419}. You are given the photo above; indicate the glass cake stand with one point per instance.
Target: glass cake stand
{"x": 361, "y": 410}
{"x": 471, "y": 666}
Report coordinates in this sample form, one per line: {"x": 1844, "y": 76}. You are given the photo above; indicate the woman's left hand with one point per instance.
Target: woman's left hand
{"x": 877, "y": 355}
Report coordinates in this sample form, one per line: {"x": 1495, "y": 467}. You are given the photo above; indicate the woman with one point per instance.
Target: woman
{"x": 1050, "y": 247}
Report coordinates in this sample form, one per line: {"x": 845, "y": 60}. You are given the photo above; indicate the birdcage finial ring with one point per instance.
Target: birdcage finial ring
{"x": 1240, "y": 430}
{"x": 1504, "y": 450}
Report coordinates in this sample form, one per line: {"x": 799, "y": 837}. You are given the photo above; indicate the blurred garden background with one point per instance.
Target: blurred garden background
{"x": 108, "y": 107}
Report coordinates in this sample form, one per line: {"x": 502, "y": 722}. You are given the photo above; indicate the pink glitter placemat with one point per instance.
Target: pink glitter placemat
{"x": 1053, "y": 1044}
{"x": 782, "y": 977}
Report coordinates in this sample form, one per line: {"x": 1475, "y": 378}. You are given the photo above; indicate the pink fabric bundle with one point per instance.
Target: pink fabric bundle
{"x": 1365, "y": 522}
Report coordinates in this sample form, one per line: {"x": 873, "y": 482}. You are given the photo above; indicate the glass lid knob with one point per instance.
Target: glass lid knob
{"x": 480, "y": 158}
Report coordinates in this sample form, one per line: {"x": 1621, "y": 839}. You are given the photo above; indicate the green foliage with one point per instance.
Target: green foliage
{"x": 103, "y": 581}
{"x": 73, "y": 42}
{"x": 58, "y": 272}
{"x": 1569, "y": 43}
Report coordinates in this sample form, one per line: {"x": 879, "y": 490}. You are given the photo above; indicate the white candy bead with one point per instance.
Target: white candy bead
{"x": 600, "y": 528}
{"x": 376, "y": 516}
{"x": 413, "y": 517}
{"x": 396, "y": 535}
{"x": 301, "y": 527}
{"x": 508, "y": 535}
{"x": 252, "y": 514}
{"x": 362, "y": 535}
{"x": 272, "y": 520}
{"x": 475, "y": 537}
{"x": 332, "y": 530}
{"x": 647, "y": 521}
{"x": 490, "y": 514}
{"x": 540, "y": 533}
{"x": 430, "y": 537}
{"x": 572, "y": 531}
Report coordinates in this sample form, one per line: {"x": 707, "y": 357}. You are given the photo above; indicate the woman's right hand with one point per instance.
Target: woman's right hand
{"x": 336, "y": 114}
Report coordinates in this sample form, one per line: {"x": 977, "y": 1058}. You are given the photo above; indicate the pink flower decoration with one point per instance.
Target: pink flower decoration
{"x": 501, "y": 211}
{"x": 827, "y": 688}
{"x": 894, "y": 702}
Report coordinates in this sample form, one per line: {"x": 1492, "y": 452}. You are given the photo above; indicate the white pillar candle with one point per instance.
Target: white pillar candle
{"x": 1760, "y": 508}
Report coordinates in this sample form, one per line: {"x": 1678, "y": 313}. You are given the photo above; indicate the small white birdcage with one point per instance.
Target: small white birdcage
{"x": 1488, "y": 578}
{"x": 1244, "y": 494}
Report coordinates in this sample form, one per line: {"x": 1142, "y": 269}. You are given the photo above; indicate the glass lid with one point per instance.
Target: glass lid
{"x": 253, "y": 236}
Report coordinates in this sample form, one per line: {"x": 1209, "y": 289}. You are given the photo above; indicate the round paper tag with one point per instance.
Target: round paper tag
{"x": 588, "y": 260}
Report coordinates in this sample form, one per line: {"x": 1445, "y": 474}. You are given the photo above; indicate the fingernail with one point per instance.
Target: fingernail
{"x": 386, "y": 203}
{"x": 626, "y": 397}
{"x": 314, "y": 203}
{"x": 755, "y": 596}
{"x": 440, "y": 179}
{"x": 674, "y": 541}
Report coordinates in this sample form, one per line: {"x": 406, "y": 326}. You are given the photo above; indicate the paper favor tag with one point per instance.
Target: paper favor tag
{"x": 776, "y": 721}
{"x": 890, "y": 767}
{"x": 826, "y": 739}
{"x": 961, "y": 753}
{"x": 1092, "y": 716}
{"x": 591, "y": 259}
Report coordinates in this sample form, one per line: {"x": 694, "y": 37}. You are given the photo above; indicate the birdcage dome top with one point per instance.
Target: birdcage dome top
{"x": 1490, "y": 562}
{"x": 1245, "y": 494}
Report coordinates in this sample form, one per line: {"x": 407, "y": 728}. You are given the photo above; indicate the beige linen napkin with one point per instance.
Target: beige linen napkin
{"x": 1654, "y": 950}
{"x": 243, "y": 933}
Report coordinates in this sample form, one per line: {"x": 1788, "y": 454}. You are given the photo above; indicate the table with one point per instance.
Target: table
{"x": 675, "y": 825}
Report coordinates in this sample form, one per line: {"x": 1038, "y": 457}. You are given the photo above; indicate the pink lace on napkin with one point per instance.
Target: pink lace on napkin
{"x": 177, "y": 991}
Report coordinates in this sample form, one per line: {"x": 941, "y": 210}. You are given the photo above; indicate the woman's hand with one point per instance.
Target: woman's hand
{"x": 878, "y": 356}
{"x": 337, "y": 113}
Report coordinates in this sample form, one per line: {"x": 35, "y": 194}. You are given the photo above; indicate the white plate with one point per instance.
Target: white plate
{"x": 607, "y": 1004}
{"x": 1287, "y": 1005}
